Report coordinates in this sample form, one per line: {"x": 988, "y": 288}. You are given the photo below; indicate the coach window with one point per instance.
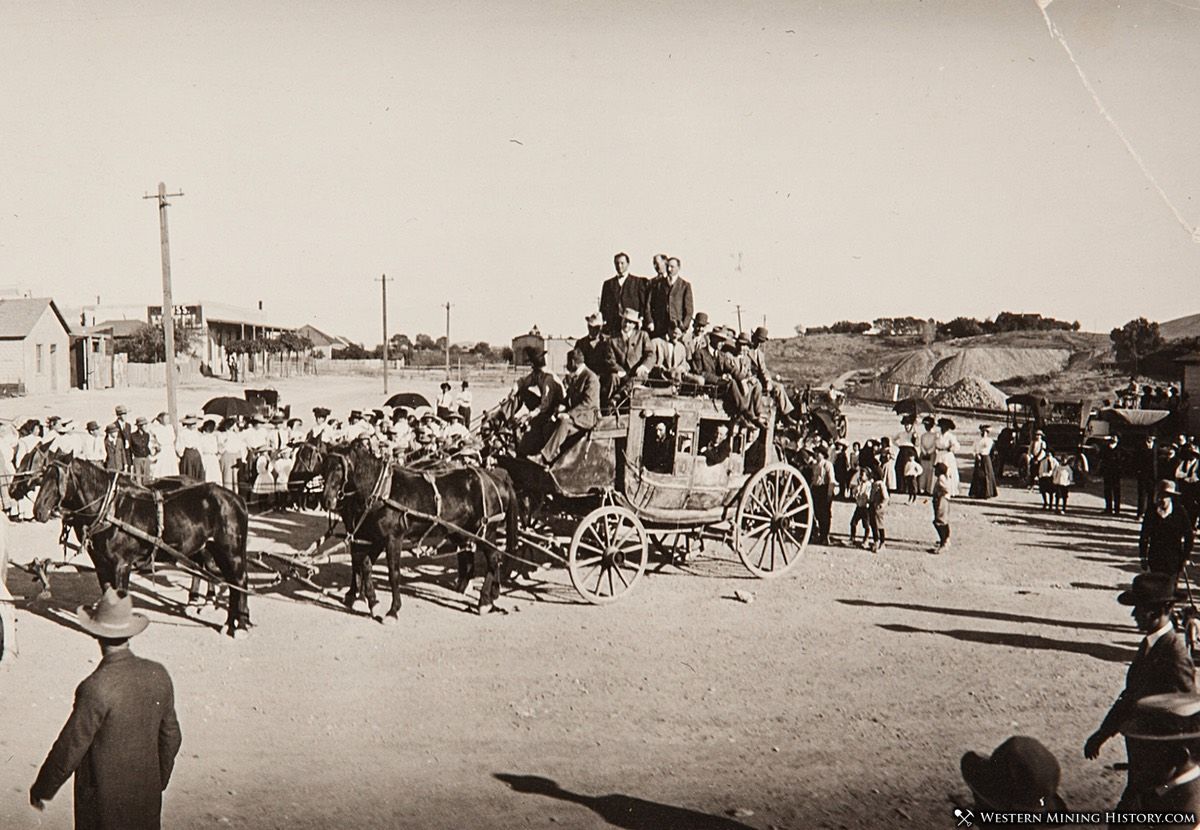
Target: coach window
{"x": 714, "y": 440}
{"x": 658, "y": 444}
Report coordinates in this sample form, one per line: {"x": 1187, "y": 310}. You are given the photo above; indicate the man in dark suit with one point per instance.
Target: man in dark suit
{"x": 124, "y": 430}
{"x": 1165, "y": 545}
{"x": 598, "y": 355}
{"x": 580, "y": 408}
{"x": 1162, "y": 665}
{"x": 1110, "y": 471}
{"x": 711, "y": 363}
{"x": 122, "y": 737}
{"x": 1171, "y": 722}
{"x": 670, "y": 301}
{"x": 620, "y": 292}
{"x": 1145, "y": 467}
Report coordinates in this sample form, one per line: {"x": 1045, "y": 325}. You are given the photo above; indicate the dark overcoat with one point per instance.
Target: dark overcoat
{"x": 120, "y": 744}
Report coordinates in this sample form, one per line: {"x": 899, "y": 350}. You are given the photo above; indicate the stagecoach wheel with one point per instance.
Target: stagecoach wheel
{"x": 608, "y": 554}
{"x": 773, "y": 521}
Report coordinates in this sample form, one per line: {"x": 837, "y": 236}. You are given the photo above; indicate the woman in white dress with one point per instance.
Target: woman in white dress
{"x": 947, "y": 446}
{"x": 209, "y": 456}
{"x": 926, "y": 444}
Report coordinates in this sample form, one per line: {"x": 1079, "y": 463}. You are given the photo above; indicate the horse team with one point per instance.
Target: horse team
{"x": 203, "y": 527}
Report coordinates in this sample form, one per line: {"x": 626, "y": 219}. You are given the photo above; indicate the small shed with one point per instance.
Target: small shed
{"x": 35, "y": 347}
{"x": 1190, "y": 364}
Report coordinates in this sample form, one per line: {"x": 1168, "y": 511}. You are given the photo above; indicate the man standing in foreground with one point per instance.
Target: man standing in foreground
{"x": 122, "y": 737}
{"x": 1162, "y": 665}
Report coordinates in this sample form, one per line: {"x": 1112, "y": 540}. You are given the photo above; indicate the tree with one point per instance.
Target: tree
{"x": 929, "y": 331}
{"x": 799, "y": 329}
{"x": 1135, "y": 340}
{"x": 424, "y": 343}
{"x": 482, "y": 349}
{"x": 147, "y": 344}
{"x": 961, "y": 327}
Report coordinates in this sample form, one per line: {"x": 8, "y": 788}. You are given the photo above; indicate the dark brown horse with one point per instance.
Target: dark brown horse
{"x": 205, "y": 523}
{"x": 377, "y": 498}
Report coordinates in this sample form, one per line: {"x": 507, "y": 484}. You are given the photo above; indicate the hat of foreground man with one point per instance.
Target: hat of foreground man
{"x": 1149, "y": 589}
{"x": 1020, "y": 775}
{"x": 1169, "y": 717}
{"x": 631, "y": 315}
{"x": 112, "y": 617}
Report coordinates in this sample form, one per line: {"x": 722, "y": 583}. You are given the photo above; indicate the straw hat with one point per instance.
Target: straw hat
{"x": 112, "y": 617}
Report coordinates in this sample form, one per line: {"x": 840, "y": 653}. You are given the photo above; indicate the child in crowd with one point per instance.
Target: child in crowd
{"x": 1045, "y": 479}
{"x": 877, "y": 509}
{"x": 912, "y": 478}
{"x": 941, "y": 507}
{"x": 1062, "y": 478}
{"x": 860, "y": 491}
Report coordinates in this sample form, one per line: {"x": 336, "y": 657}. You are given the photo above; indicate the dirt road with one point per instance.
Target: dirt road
{"x": 843, "y": 696}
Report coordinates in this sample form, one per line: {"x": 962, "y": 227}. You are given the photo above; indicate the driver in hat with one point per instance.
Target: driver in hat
{"x": 122, "y": 736}
{"x": 1163, "y": 664}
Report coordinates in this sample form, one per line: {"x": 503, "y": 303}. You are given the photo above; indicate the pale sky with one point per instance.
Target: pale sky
{"x": 858, "y": 159}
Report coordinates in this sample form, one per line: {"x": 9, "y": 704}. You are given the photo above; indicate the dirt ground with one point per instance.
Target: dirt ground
{"x": 843, "y": 696}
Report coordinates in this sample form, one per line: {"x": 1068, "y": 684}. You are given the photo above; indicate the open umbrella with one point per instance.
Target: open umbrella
{"x": 913, "y": 406}
{"x": 409, "y": 399}
{"x": 227, "y": 407}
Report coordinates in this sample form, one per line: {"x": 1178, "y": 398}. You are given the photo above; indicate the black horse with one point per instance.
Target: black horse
{"x": 469, "y": 498}
{"x": 204, "y": 522}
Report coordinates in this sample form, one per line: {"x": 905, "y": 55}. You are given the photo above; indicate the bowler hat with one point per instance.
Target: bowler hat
{"x": 91, "y": 425}
{"x": 701, "y": 319}
{"x": 743, "y": 339}
{"x": 112, "y": 617}
{"x": 760, "y": 333}
{"x": 1020, "y": 775}
{"x": 141, "y": 421}
{"x": 112, "y": 428}
{"x": 1149, "y": 589}
{"x": 122, "y": 409}
{"x": 1168, "y": 717}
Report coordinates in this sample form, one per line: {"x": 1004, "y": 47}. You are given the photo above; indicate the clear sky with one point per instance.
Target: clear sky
{"x": 810, "y": 161}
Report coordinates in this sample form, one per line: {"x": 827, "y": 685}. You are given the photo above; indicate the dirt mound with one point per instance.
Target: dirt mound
{"x": 914, "y": 368}
{"x": 997, "y": 364}
{"x": 972, "y": 393}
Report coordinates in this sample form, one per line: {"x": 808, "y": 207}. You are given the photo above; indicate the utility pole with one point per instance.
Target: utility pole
{"x": 168, "y": 302}
{"x": 447, "y": 307}
{"x": 383, "y": 281}
{"x": 738, "y": 308}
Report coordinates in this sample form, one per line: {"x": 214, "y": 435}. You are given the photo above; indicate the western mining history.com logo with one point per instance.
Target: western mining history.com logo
{"x": 985, "y": 818}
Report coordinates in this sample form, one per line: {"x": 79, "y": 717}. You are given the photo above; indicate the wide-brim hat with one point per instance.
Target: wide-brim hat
{"x": 454, "y": 416}
{"x": 631, "y": 315}
{"x": 111, "y": 617}
{"x": 190, "y": 419}
{"x": 594, "y": 319}
{"x": 1167, "y": 717}
{"x": 1149, "y": 589}
{"x": 1020, "y": 775}
{"x": 1166, "y": 487}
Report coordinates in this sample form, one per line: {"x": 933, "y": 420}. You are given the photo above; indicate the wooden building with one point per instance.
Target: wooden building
{"x": 35, "y": 347}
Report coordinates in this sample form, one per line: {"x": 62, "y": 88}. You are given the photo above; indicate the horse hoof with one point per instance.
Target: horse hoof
{"x": 375, "y": 615}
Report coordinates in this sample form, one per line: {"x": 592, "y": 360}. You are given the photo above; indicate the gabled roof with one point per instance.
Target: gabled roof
{"x": 18, "y": 316}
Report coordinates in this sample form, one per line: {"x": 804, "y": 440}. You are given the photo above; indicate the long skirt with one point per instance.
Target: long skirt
{"x": 903, "y": 453}
{"x": 7, "y": 503}
{"x": 983, "y": 479}
{"x": 229, "y": 473}
{"x": 927, "y": 475}
{"x": 190, "y": 465}
{"x": 212, "y": 467}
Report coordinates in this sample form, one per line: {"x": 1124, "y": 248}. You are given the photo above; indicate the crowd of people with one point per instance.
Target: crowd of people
{"x": 251, "y": 454}
{"x": 1171, "y": 398}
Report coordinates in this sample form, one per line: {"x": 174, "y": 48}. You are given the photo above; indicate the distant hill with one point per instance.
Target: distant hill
{"x": 1180, "y": 327}
{"x": 1074, "y": 364}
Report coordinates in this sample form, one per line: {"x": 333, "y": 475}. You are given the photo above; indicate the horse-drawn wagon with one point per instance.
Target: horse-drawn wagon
{"x": 672, "y": 465}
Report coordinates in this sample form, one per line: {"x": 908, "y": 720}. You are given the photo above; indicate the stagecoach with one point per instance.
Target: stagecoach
{"x": 671, "y": 467}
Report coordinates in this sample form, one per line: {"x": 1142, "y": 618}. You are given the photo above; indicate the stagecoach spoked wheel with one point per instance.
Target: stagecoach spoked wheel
{"x": 773, "y": 521}
{"x": 607, "y": 555}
